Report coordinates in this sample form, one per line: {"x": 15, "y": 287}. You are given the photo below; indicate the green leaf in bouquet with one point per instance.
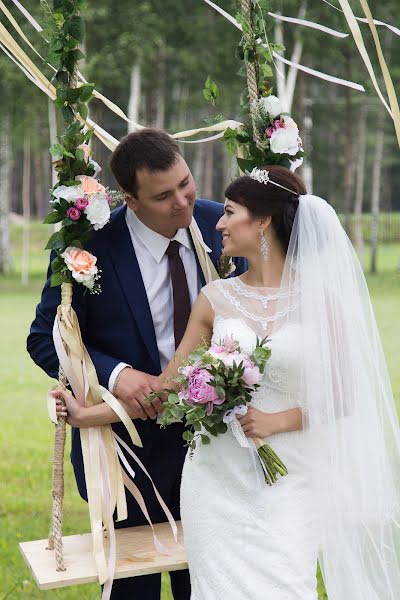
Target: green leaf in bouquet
{"x": 210, "y": 428}
{"x": 177, "y": 412}
{"x": 221, "y": 427}
{"x": 173, "y": 397}
{"x": 53, "y": 217}
{"x": 220, "y": 391}
{"x": 205, "y": 439}
{"x": 188, "y": 435}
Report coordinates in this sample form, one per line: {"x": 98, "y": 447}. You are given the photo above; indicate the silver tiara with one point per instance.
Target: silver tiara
{"x": 263, "y": 177}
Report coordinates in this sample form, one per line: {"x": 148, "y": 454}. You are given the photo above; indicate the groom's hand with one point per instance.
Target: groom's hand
{"x": 132, "y": 388}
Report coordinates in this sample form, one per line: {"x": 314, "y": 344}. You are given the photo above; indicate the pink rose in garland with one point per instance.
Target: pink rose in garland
{"x": 74, "y": 213}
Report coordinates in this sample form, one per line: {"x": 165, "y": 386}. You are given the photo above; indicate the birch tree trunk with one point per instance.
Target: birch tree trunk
{"x": 376, "y": 187}
{"x": 348, "y": 150}
{"x": 360, "y": 178}
{"x": 5, "y": 190}
{"x": 208, "y": 170}
{"x": 286, "y": 85}
{"x": 134, "y": 95}
{"x": 198, "y": 168}
{"x": 161, "y": 87}
{"x": 26, "y": 211}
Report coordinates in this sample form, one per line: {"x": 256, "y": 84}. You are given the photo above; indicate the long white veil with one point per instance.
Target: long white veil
{"x": 350, "y": 421}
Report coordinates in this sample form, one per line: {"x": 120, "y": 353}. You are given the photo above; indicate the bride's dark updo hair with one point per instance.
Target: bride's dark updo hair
{"x": 269, "y": 200}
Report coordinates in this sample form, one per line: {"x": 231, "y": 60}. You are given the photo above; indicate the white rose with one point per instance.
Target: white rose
{"x": 98, "y": 211}
{"x": 95, "y": 166}
{"x": 70, "y": 193}
{"x": 285, "y": 141}
{"x": 272, "y": 105}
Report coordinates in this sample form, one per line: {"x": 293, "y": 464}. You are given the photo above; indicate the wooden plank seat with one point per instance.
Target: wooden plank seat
{"x": 136, "y": 555}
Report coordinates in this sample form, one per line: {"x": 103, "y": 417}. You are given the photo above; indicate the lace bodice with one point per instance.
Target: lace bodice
{"x": 248, "y": 313}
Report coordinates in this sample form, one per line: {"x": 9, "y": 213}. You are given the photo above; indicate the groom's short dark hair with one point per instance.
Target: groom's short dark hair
{"x": 150, "y": 148}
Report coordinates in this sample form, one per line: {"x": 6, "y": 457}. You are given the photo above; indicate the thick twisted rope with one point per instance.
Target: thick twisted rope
{"x": 252, "y": 86}
{"x": 55, "y": 536}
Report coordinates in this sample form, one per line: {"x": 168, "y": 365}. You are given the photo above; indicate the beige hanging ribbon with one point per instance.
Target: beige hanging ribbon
{"x": 202, "y": 250}
{"x": 356, "y": 32}
{"x": 394, "y": 105}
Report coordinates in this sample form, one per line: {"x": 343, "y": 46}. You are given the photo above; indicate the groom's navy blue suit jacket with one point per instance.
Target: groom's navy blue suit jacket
{"x": 117, "y": 325}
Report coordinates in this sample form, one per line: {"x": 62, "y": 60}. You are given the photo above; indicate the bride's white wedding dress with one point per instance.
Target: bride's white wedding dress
{"x": 246, "y": 540}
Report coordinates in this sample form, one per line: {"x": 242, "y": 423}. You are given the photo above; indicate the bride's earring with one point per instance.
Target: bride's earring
{"x": 264, "y": 246}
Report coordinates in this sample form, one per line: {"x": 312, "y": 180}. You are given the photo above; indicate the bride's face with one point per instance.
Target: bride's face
{"x": 240, "y": 231}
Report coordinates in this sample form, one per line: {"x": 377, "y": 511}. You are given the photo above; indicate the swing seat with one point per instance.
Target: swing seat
{"x": 136, "y": 555}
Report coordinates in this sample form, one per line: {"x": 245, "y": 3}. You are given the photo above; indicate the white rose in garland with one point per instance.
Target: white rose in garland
{"x": 70, "y": 193}
{"x": 285, "y": 140}
{"x": 272, "y": 105}
{"x": 98, "y": 211}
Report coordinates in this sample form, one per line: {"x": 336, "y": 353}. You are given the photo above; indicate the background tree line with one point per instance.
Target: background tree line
{"x": 152, "y": 58}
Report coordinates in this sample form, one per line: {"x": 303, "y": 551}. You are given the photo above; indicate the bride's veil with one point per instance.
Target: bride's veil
{"x": 351, "y": 428}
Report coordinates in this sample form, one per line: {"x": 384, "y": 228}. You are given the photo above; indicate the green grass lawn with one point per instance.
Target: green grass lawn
{"x": 26, "y": 435}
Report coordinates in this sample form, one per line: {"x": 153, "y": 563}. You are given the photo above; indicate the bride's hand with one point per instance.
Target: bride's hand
{"x": 256, "y": 423}
{"x": 70, "y": 408}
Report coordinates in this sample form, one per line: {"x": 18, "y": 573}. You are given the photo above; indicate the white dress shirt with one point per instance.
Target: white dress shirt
{"x": 150, "y": 248}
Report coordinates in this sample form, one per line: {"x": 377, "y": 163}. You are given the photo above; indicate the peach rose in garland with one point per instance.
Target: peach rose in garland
{"x": 82, "y": 265}
{"x": 90, "y": 185}
{"x": 86, "y": 152}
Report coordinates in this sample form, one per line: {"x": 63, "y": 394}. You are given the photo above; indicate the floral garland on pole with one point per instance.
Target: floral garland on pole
{"x": 78, "y": 200}
{"x": 81, "y": 204}
{"x": 269, "y": 135}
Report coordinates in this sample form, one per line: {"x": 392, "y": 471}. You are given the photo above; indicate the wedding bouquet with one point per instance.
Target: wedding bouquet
{"x": 214, "y": 385}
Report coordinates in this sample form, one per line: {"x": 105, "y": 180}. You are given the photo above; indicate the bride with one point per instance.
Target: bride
{"x": 325, "y": 405}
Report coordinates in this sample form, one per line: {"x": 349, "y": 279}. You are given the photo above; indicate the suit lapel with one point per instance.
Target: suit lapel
{"x": 128, "y": 272}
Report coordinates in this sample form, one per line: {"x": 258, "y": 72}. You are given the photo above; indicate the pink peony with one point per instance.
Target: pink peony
{"x": 200, "y": 392}
{"x": 74, "y": 213}
{"x": 81, "y": 203}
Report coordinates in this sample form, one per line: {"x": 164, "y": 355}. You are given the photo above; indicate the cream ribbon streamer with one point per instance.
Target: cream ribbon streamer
{"x": 392, "y": 28}
{"x": 277, "y": 56}
{"x": 394, "y": 105}
{"x": 311, "y": 24}
{"x": 100, "y": 452}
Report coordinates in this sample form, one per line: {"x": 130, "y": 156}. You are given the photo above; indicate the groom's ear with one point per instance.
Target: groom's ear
{"x": 130, "y": 200}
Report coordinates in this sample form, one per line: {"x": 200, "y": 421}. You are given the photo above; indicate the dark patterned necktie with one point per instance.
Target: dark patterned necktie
{"x": 180, "y": 291}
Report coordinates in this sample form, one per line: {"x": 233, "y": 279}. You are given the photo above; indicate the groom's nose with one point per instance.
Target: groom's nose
{"x": 181, "y": 201}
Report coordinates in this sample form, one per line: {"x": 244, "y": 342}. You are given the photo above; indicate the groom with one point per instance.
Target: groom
{"x": 150, "y": 277}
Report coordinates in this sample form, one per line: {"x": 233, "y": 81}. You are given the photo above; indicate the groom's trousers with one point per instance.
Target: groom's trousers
{"x": 165, "y": 467}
